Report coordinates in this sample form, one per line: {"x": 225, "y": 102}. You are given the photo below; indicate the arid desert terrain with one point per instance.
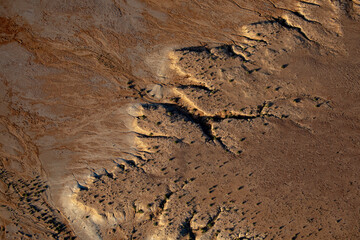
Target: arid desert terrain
{"x": 200, "y": 120}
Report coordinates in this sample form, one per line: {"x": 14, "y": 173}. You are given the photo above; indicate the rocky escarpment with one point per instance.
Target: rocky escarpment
{"x": 182, "y": 120}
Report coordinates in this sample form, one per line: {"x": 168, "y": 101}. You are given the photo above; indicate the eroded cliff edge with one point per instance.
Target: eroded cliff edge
{"x": 202, "y": 120}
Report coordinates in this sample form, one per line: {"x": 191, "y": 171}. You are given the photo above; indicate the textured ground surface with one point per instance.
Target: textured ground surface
{"x": 179, "y": 119}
